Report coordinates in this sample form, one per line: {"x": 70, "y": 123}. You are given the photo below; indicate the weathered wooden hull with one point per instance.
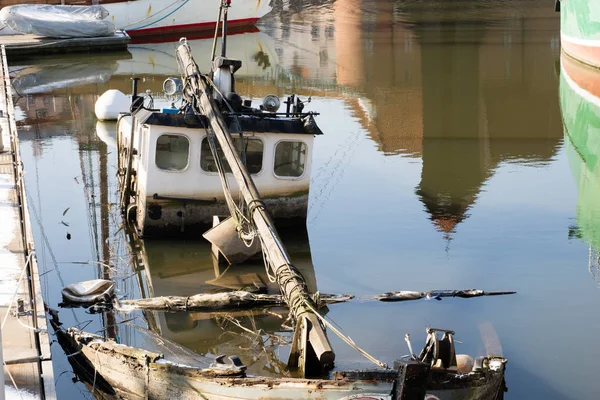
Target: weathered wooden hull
{"x": 138, "y": 374}
{"x": 131, "y": 373}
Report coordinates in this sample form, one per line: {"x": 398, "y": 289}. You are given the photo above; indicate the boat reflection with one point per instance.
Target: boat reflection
{"x": 183, "y": 268}
{"x": 152, "y": 61}
{"x": 254, "y": 49}
{"x": 580, "y": 106}
{"x": 45, "y": 75}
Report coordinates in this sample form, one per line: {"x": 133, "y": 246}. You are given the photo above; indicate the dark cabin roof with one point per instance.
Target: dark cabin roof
{"x": 249, "y": 123}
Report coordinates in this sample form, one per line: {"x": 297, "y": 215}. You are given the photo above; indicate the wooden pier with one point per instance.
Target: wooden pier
{"x": 25, "y": 350}
{"x": 23, "y": 46}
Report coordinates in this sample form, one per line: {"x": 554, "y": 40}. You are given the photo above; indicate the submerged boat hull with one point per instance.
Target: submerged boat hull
{"x": 580, "y": 30}
{"x": 179, "y": 216}
{"x": 138, "y": 374}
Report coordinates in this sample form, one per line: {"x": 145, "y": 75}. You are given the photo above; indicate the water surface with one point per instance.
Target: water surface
{"x": 443, "y": 166}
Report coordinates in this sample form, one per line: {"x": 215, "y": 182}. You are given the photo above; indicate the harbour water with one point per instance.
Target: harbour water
{"x": 444, "y": 165}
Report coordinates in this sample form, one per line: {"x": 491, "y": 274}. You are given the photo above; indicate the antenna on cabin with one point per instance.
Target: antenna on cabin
{"x": 225, "y": 4}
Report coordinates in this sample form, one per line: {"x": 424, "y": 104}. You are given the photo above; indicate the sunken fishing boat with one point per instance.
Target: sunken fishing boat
{"x": 114, "y": 370}
{"x": 156, "y": 149}
{"x": 170, "y": 178}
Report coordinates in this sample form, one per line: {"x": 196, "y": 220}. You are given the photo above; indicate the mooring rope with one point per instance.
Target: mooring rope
{"x": 303, "y": 299}
{"x": 347, "y": 339}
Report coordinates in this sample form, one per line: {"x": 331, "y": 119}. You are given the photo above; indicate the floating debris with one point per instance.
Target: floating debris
{"x": 217, "y": 302}
{"x": 89, "y": 292}
{"x": 436, "y": 294}
{"x": 244, "y": 299}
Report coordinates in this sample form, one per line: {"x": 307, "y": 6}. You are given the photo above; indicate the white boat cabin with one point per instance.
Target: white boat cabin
{"x": 175, "y": 186}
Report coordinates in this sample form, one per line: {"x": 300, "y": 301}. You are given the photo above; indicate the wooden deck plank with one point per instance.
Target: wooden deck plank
{"x": 24, "y": 337}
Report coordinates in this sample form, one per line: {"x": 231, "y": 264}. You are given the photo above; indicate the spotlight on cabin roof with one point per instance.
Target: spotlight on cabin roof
{"x": 172, "y": 86}
{"x": 271, "y": 103}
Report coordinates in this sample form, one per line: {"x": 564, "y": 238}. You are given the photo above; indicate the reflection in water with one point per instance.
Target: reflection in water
{"x": 152, "y": 61}
{"x": 72, "y": 196}
{"x": 49, "y": 84}
{"x": 254, "y": 49}
{"x": 580, "y": 106}
{"x": 462, "y": 85}
{"x": 450, "y": 96}
{"x": 49, "y": 76}
{"x": 186, "y": 268}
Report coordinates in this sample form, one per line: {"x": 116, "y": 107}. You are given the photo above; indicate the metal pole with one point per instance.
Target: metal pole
{"x": 227, "y": 4}
{"x": 126, "y": 193}
{"x": 214, "y": 46}
{"x": 291, "y": 283}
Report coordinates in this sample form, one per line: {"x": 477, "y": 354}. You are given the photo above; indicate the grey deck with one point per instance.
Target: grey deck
{"x": 25, "y": 342}
{"x": 18, "y": 46}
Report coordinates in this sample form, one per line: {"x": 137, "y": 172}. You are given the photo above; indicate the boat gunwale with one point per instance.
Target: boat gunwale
{"x": 250, "y": 123}
{"x": 440, "y": 379}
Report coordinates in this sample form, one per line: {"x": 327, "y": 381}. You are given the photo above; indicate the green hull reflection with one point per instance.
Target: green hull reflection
{"x": 580, "y": 106}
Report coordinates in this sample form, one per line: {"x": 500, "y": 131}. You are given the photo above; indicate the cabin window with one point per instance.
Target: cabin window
{"x": 254, "y": 155}
{"x": 290, "y": 158}
{"x": 172, "y": 152}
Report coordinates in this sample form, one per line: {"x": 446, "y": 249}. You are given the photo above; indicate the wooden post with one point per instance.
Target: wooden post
{"x": 412, "y": 380}
{"x": 291, "y": 283}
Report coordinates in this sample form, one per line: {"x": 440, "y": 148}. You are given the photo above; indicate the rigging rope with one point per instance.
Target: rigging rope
{"x": 245, "y": 228}
{"x": 297, "y": 297}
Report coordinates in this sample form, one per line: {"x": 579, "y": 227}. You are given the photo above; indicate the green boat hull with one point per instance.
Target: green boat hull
{"x": 580, "y": 107}
{"x": 580, "y": 30}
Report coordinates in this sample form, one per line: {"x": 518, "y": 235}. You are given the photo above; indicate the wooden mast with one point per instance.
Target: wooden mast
{"x": 309, "y": 330}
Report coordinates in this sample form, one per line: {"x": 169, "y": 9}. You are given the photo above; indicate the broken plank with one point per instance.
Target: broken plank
{"x": 436, "y": 294}
{"x": 215, "y": 302}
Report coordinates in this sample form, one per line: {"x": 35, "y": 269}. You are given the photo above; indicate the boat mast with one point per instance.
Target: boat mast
{"x": 311, "y": 345}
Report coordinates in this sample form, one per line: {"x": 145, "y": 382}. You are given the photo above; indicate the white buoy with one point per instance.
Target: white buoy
{"x": 110, "y": 104}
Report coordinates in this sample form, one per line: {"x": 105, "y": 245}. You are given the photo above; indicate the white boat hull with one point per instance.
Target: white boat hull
{"x": 159, "y": 17}
{"x": 183, "y": 202}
